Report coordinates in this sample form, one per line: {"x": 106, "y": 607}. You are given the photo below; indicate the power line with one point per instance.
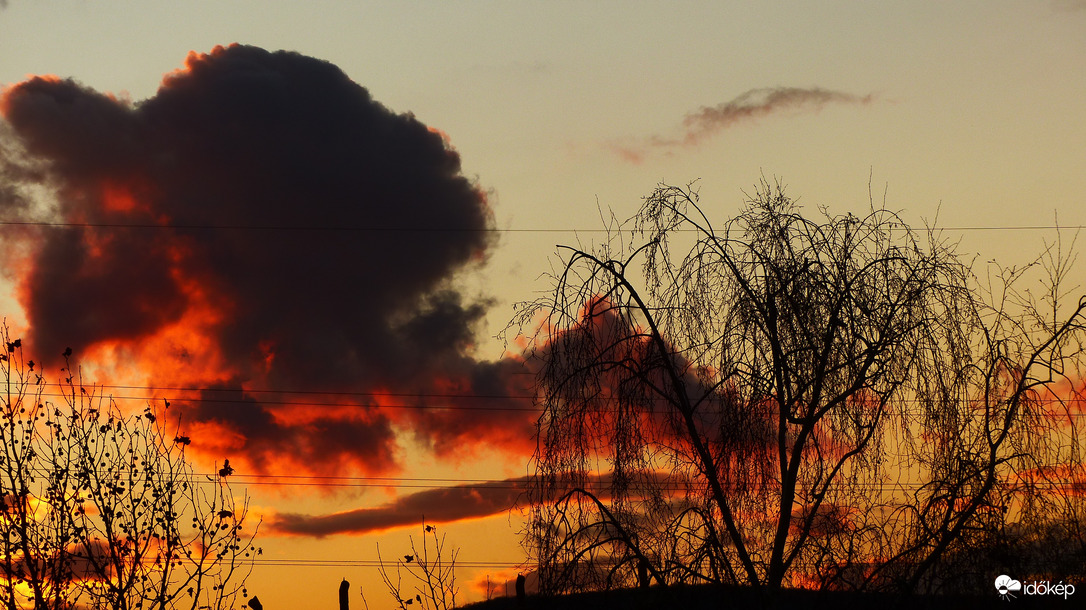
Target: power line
{"x": 289, "y": 228}
{"x": 346, "y": 482}
{"x": 368, "y": 478}
{"x": 157, "y": 390}
{"x": 903, "y": 487}
{"x": 358, "y": 563}
{"x": 155, "y": 395}
{"x": 424, "y": 229}
{"x": 282, "y": 391}
{"x": 454, "y": 483}
{"x": 181, "y": 400}
{"x": 319, "y": 480}
{"x": 371, "y": 563}
{"x": 293, "y": 403}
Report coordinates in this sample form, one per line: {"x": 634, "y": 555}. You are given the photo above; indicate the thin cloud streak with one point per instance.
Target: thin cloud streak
{"x": 444, "y": 505}
{"x": 441, "y": 505}
{"x": 753, "y": 104}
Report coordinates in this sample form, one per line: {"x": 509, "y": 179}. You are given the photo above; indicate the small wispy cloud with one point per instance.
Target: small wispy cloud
{"x": 707, "y": 121}
{"x": 1069, "y": 5}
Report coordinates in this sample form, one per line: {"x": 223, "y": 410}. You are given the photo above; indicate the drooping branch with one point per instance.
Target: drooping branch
{"x": 837, "y": 399}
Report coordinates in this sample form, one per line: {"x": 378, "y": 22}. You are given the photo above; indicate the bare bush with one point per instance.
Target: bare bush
{"x": 103, "y": 509}
{"x": 430, "y": 574}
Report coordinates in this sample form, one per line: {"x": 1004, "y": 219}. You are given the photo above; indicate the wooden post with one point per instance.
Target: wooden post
{"x": 520, "y": 589}
{"x": 344, "y": 589}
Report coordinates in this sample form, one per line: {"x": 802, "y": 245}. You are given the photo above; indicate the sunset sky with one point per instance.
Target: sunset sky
{"x": 354, "y": 219}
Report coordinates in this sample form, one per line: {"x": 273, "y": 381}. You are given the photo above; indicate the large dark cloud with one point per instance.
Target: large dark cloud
{"x": 261, "y": 214}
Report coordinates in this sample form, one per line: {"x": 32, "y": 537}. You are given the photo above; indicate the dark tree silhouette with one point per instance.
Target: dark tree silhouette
{"x": 836, "y": 402}
{"x": 431, "y": 574}
{"x": 101, "y": 509}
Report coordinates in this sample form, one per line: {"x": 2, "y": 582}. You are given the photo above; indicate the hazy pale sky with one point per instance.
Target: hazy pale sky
{"x": 972, "y": 111}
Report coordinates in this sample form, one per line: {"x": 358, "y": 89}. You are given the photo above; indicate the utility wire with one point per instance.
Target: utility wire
{"x": 477, "y": 484}
{"x": 422, "y": 229}
{"x": 295, "y": 403}
{"x": 371, "y": 563}
{"x": 281, "y": 391}
{"x": 155, "y": 396}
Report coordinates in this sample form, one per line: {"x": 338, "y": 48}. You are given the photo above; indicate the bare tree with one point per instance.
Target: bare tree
{"x": 103, "y": 509}
{"x": 836, "y": 402}
{"x": 431, "y": 574}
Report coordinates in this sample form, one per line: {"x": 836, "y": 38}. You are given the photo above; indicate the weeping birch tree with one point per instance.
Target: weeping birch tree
{"x": 784, "y": 399}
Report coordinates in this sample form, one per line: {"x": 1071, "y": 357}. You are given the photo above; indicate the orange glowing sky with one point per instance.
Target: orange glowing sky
{"x": 969, "y": 112}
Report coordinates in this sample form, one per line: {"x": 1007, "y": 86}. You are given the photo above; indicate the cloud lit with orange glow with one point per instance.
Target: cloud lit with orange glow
{"x": 261, "y": 223}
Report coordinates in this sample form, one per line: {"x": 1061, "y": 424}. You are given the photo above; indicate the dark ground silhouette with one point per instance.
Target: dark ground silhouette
{"x": 723, "y": 597}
